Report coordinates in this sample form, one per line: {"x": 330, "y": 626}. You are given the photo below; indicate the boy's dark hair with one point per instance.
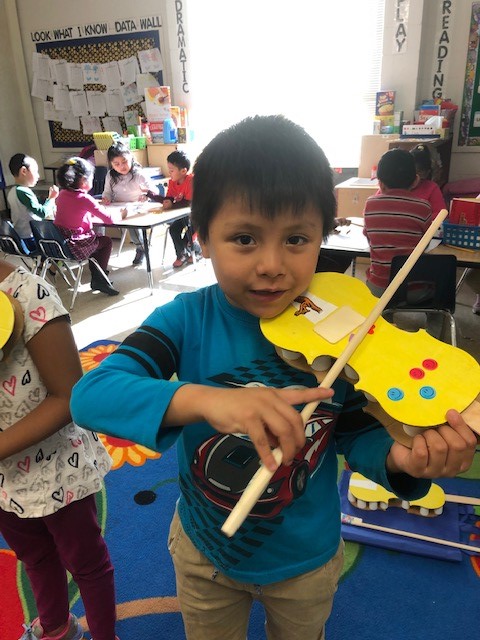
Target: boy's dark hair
{"x": 396, "y": 169}
{"x": 179, "y": 159}
{"x": 268, "y": 162}
{"x": 71, "y": 173}
{"x": 119, "y": 149}
{"x": 423, "y": 161}
{"x": 18, "y": 161}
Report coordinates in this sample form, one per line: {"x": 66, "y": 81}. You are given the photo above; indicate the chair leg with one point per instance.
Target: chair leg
{"x": 75, "y": 287}
{"x": 46, "y": 264}
{"x": 122, "y": 241}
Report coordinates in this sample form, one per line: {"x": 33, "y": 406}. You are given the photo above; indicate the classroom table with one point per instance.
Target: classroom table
{"x": 349, "y": 238}
{"x": 143, "y": 216}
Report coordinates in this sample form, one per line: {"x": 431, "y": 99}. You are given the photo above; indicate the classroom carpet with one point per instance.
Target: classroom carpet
{"x": 385, "y": 593}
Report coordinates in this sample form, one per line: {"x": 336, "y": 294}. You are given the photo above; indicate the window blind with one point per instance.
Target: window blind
{"x": 318, "y": 63}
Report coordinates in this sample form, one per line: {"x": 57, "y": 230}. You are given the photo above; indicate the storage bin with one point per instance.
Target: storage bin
{"x": 141, "y": 142}
{"x": 104, "y": 139}
{"x": 461, "y": 235}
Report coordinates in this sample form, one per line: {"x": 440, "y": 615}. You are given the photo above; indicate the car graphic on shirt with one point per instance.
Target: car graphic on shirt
{"x": 223, "y": 465}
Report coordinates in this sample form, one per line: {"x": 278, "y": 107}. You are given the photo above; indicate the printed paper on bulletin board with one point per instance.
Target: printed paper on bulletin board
{"x": 469, "y": 133}
{"x": 97, "y": 50}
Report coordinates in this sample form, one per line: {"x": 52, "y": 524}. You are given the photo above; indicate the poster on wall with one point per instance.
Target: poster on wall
{"x": 99, "y": 76}
{"x": 469, "y": 132}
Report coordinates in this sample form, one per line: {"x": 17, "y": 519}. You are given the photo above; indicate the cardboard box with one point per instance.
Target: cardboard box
{"x": 352, "y": 194}
{"x": 372, "y": 149}
{"x": 465, "y": 211}
{"x": 158, "y": 153}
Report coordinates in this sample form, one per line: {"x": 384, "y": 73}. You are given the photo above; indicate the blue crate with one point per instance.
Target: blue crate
{"x": 461, "y": 235}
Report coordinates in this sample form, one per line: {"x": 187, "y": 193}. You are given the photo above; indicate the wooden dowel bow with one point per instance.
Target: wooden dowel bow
{"x": 262, "y": 477}
{"x": 358, "y": 522}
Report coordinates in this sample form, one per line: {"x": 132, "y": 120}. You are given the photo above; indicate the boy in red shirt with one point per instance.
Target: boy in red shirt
{"x": 179, "y": 194}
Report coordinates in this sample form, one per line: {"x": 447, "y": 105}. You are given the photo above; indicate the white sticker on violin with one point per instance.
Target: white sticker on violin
{"x": 312, "y": 308}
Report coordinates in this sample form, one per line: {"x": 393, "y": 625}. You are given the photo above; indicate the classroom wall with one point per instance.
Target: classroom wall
{"x": 433, "y": 27}
{"x": 409, "y": 72}
{"x": 24, "y": 127}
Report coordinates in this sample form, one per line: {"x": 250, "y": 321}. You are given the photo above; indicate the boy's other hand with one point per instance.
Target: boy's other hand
{"x": 443, "y": 452}
{"x": 265, "y": 414}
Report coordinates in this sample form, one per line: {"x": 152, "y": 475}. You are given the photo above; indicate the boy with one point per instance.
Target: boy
{"x": 179, "y": 194}
{"x": 24, "y": 204}
{"x": 395, "y": 219}
{"x": 262, "y": 202}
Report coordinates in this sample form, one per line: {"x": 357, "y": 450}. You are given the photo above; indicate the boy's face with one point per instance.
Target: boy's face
{"x": 29, "y": 175}
{"x": 262, "y": 265}
{"x": 176, "y": 174}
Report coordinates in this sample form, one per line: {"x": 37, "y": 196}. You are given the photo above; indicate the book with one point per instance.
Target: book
{"x": 157, "y": 103}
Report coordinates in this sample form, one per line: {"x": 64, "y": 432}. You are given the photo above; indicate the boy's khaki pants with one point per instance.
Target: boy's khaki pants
{"x": 215, "y": 607}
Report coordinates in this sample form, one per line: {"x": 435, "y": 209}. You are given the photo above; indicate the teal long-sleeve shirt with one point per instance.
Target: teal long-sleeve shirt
{"x": 295, "y": 526}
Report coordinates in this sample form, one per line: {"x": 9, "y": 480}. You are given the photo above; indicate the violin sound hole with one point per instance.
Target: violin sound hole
{"x": 290, "y": 355}
{"x": 322, "y": 363}
{"x": 351, "y": 373}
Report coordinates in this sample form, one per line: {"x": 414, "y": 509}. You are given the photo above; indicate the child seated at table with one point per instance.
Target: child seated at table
{"x": 179, "y": 194}
{"x": 75, "y": 210}
{"x": 24, "y": 204}
{"x": 395, "y": 219}
{"x": 426, "y": 188}
{"x": 125, "y": 182}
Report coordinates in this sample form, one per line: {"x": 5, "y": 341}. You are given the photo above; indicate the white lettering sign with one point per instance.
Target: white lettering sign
{"x": 96, "y": 29}
{"x": 400, "y": 26}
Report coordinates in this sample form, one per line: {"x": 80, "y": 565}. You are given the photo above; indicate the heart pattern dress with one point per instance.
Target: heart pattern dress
{"x": 68, "y": 465}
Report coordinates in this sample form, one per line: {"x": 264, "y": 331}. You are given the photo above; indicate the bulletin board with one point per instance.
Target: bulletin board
{"x": 107, "y": 48}
{"x": 469, "y": 133}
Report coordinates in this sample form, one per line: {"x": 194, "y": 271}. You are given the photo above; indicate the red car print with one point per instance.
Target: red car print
{"x": 223, "y": 465}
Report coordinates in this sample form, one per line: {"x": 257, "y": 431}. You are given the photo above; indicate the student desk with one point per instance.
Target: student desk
{"x": 350, "y": 238}
{"x": 143, "y": 219}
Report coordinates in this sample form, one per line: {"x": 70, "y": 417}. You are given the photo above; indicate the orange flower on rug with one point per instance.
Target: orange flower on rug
{"x": 92, "y": 356}
{"x": 121, "y": 451}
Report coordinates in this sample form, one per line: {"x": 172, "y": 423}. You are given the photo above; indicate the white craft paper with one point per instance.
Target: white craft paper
{"x": 111, "y": 73}
{"x": 40, "y": 88}
{"x": 129, "y": 69}
{"x": 130, "y": 94}
{"x": 96, "y": 103}
{"x": 91, "y": 124}
{"x": 71, "y": 122}
{"x": 75, "y": 76}
{"x": 112, "y": 124}
{"x": 41, "y": 66}
{"x": 93, "y": 73}
{"x": 150, "y": 60}
{"x": 50, "y": 113}
{"x": 78, "y": 100}
{"x": 61, "y": 98}
{"x": 114, "y": 102}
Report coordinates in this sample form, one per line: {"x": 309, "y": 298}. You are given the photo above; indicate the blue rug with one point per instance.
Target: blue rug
{"x": 384, "y": 594}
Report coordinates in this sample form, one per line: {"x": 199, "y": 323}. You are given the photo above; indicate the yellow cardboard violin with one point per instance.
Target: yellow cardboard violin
{"x": 414, "y": 386}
